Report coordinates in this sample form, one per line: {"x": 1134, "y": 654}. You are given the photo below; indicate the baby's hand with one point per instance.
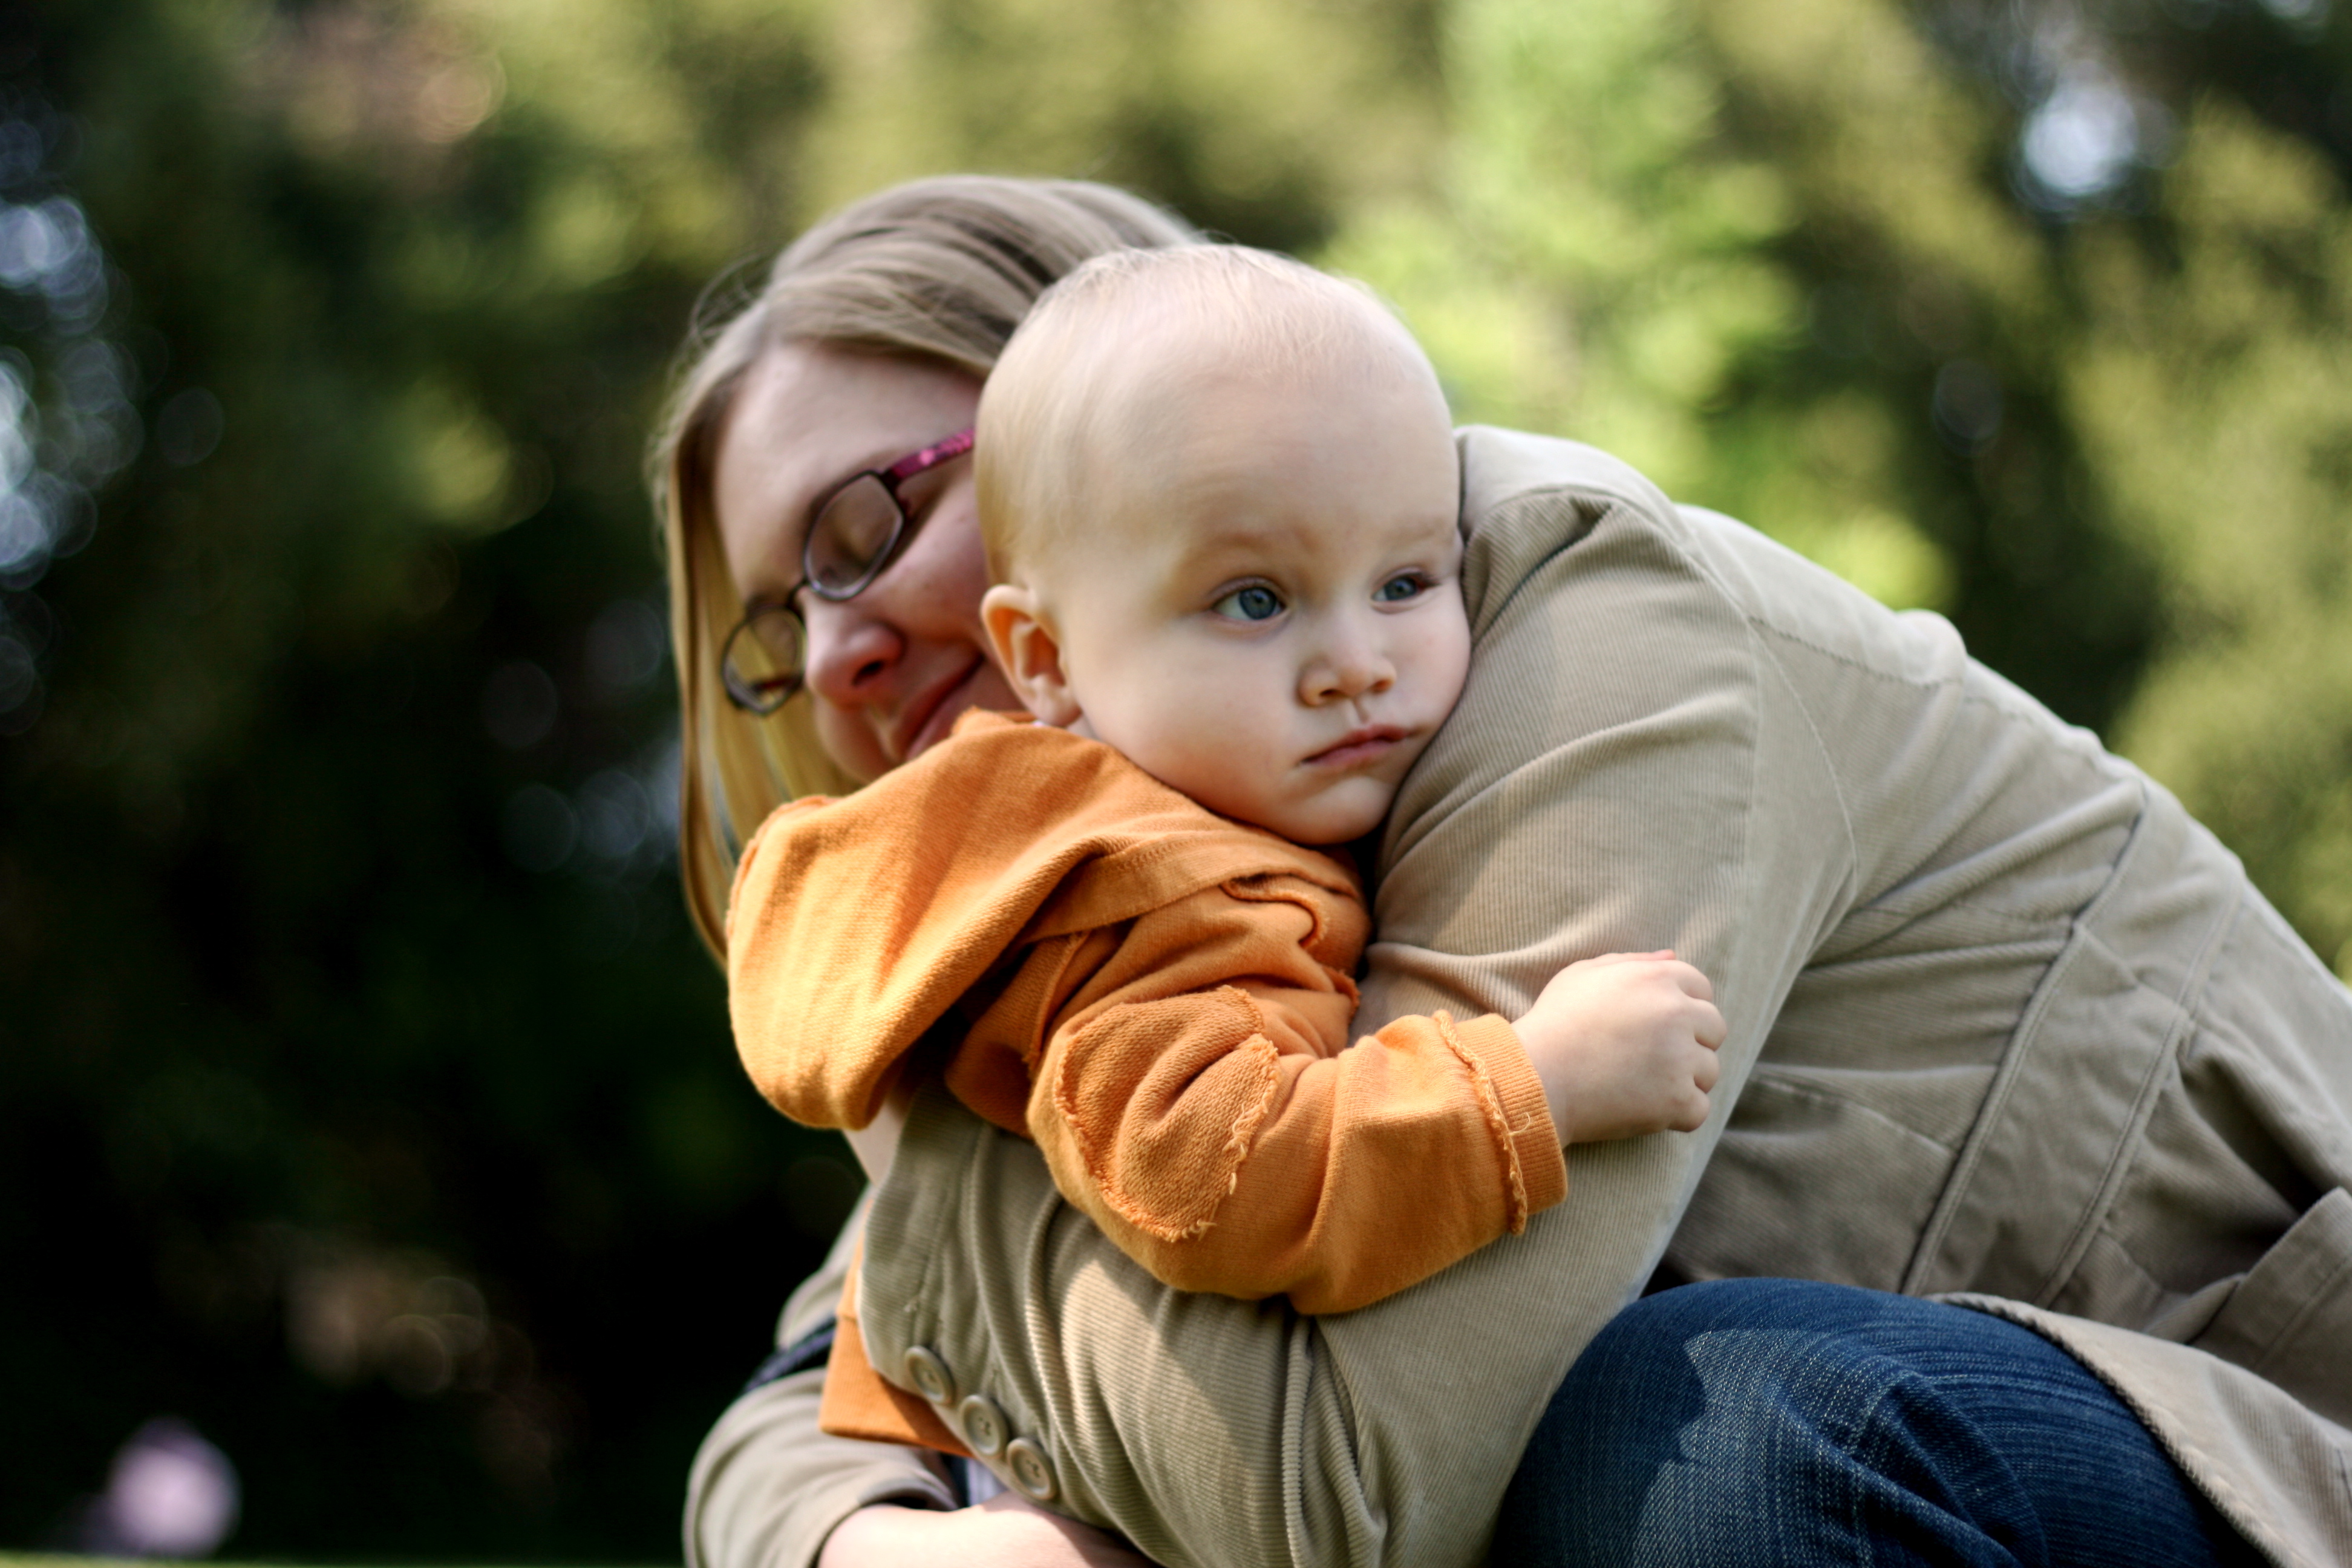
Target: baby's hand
{"x": 1625, "y": 1045}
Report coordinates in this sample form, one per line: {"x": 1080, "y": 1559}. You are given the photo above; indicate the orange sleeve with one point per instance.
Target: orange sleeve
{"x": 1200, "y": 1099}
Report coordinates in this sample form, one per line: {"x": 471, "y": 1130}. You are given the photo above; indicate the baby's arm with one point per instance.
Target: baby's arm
{"x": 1200, "y": 1099}
{"x": 1625, "y": 1044}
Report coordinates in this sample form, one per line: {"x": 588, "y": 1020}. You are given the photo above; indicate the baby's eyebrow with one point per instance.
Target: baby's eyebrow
{"x": 1203, "y": 546}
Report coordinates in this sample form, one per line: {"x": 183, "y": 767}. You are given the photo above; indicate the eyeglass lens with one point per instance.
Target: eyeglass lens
{"x": 765, "y": 657}
{"x": 851, "y": 536}
{"x": 849, "y": 543}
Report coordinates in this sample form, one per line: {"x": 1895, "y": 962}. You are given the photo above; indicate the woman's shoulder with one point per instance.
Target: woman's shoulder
{"x": 1534, "y": 504}
{"x": 1501, "y": 468}
{"x": 1593, "y": 530}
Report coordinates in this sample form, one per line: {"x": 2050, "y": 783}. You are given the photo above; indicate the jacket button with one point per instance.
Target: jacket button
{"x": 930, "y": 1375}
{"x": 1033, "y": 1473}
{"x": 982, "y": 1424}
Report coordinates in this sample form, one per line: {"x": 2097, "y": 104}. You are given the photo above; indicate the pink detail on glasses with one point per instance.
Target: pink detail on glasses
{"x": 932, "y": 455}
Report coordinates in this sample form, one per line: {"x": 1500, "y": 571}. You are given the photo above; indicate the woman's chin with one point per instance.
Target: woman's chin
{"x": 866, "y": 751}
{"x": 852, "y": 746}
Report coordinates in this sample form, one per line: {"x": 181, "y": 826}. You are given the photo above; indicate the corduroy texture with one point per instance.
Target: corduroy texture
{"x": 2003, "y": 1020}
{"x": 859, "y": 1404}
{"x": 1159, "y": 996}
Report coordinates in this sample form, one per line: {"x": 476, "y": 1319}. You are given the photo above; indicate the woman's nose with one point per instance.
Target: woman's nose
{"x": 851, "y": 652}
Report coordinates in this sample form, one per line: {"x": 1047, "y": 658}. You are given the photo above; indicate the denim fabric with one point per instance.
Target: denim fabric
{"x": 1759, "y": 1422}
{"x": 810, "y": 1350}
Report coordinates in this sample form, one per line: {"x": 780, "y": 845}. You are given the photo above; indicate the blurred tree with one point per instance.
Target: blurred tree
{"x": 1754, "y": 248}
{"x": 379, "y": 1105}
{"x": 2031, "y": 313}
{"x": 369, "y": 1103}
{"x": 2214, "y": 383}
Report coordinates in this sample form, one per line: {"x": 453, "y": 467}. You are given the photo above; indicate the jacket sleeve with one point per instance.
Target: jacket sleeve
{"x": 767, "y": 1485}
{"x": 1199, "y": 1100}
{"x": 1626, "y": 771}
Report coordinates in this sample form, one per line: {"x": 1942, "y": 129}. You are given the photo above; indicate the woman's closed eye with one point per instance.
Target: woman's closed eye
{"x": 1253, "y": 601}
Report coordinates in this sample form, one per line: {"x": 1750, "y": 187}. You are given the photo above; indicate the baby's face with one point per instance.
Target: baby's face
{"x": 1267, "y": 614}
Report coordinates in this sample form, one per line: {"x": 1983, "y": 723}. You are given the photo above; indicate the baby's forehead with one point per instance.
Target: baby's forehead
{"x": 1155, "y": 400}
{"x": 1236, "y": 409}
{"x": 1244, "y": 498}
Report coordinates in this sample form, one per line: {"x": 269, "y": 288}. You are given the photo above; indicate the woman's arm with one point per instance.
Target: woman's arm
{"x": 1005, "y": 1531}
{"x": 1626, "y": 772}
{"x": 771, "y": 1491}
{"x": 768, "y": 1487}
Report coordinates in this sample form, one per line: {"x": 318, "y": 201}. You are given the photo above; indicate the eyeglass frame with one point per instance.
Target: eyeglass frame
{"x": 903, "y": 529}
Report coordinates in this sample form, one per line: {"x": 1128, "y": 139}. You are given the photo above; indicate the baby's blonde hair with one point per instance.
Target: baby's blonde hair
{"x": 1108, "y": 357}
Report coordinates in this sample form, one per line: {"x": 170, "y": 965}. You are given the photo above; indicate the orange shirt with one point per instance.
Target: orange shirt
{"x": 1159, "y": 997}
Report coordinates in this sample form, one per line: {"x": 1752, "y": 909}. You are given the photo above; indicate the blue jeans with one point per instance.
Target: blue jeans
{"x": 1760, "y": 1422}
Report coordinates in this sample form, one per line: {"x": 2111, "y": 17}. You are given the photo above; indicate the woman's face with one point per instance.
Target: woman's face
{"x": 889, "y": 670}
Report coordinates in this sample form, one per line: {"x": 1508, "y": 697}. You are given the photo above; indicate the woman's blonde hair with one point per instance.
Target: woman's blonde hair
{"x": 939, "y": 269}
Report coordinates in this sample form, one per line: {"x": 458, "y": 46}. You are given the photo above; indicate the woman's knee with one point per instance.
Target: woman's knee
{"x": 1759, "y": 1421}
{"x": 1629, "y": 1462}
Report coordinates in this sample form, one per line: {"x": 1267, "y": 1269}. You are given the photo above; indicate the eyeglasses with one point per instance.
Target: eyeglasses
{"x": 856, "y": 532}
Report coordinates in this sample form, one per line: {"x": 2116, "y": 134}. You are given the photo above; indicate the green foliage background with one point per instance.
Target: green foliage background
{"x": 364, "y": 1099}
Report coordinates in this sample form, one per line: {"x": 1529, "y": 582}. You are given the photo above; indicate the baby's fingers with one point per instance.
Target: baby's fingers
{"x": 1690, "y": 1111}
{"x": 1711, "y": 1030}
{"x": 1693, "y": 1104}
{"x": 1602, "y": 961}
{"x": 1692, "y": 979}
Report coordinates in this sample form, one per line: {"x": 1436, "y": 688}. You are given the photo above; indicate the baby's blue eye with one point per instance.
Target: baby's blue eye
{"x": 1255, "y": 602}
{"x": 1403, "y": 586}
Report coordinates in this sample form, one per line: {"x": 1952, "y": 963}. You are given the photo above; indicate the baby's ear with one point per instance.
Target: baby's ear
{"x": 1029, "y": 651}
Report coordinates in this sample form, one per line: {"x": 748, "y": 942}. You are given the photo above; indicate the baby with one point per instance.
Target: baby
{"x": 1219, "y": 492}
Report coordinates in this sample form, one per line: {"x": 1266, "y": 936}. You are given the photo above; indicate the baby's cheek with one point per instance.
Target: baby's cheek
{"x": 1222, "y": 769}
{"x": 1449, "y": 661}
{"x": 1235, "y": 784}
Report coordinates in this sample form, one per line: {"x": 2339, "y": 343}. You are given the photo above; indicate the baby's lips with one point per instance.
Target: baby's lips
{"x": 1360, "y": 745}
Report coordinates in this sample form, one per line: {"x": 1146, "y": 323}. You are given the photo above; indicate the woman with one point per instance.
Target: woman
{"x": 2004, "y": 1022}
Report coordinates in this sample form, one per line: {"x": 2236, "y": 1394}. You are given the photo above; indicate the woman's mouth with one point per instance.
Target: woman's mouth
{"x": 1358, "y": 747}
{"x": 925, "y": 721}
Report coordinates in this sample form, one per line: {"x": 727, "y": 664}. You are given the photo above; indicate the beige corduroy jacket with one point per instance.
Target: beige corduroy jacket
{"x": 2005, "y": 1024}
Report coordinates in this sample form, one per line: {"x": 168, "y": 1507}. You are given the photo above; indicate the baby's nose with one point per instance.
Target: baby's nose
{"x": 1346, "y": 671}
